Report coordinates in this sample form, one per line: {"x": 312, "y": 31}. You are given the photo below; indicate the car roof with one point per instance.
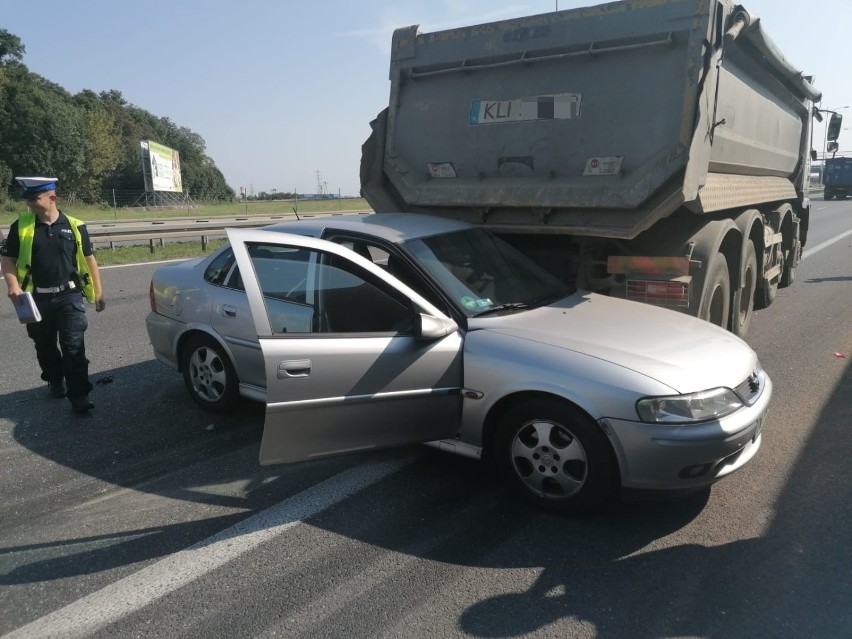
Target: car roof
{"x": 393, "y": 227}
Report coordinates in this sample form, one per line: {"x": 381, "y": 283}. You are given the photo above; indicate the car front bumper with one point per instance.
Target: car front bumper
{"x": 682, "y": 457}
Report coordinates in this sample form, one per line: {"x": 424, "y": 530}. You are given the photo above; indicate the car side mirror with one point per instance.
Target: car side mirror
{"x": 813, "y": 155}
{"x": 428, "y": 328}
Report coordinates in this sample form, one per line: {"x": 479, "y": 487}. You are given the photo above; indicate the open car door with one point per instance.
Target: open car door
{"x": 354, "y": 358}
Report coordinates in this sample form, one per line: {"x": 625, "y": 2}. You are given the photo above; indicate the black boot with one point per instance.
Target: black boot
{"x": 81, "y": 404}
{"x": 57, "y": 388}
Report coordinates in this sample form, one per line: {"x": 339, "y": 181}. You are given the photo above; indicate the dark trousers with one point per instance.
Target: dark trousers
{"x": 63, "y": 321}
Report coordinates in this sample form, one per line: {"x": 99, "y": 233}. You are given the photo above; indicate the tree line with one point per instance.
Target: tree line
{"x": 89, "y": 141}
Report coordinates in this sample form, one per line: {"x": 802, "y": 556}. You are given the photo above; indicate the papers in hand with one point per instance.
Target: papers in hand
{"x": 26, "y": 309}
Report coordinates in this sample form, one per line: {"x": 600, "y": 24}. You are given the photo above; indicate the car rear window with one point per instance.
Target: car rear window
{"x": 218, "y": 269}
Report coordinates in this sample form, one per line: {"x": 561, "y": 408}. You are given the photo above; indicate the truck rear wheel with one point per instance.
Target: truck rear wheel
{"x": 715, "y": 304}
{"x": 766, "y": 293}
{"x": 788, "y": 275}
{"x": 744, "y": 295}
{"x": 792, "y": 257}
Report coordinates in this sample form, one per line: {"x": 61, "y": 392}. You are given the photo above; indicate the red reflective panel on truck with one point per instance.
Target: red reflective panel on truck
{"x": 661, "y": 293}
{"x": 647, "y": 265}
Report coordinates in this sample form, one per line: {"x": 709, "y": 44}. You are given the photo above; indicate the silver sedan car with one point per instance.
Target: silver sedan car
{"x": 370, "y": 331}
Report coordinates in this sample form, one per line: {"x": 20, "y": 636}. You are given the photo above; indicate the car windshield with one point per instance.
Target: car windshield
{"x": 483, "y": 274}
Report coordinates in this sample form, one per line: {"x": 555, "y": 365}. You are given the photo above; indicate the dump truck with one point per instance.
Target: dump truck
{"x": 837, "y": 178}
{"x": 654, "y": 150}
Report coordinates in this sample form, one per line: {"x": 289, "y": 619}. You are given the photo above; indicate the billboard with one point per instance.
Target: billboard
{"x": 161, "y": 168}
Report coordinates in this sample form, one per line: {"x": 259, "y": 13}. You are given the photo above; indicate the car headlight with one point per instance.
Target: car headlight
{"x": 695, "y": 407}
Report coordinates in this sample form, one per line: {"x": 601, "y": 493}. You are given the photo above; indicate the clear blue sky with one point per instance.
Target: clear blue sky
{"x": 281, "y": 90}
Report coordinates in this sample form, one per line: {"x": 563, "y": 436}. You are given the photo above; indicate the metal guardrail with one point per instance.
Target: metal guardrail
{"x": 157, "y": 239}
{"x": 156, "y": 232}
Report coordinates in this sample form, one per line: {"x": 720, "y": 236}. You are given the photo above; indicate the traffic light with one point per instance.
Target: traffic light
{"x": 834, "y": 126}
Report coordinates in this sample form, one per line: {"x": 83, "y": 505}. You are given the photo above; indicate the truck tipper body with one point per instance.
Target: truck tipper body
{"x": 656, "y": 150}
{"x": 837, "y": 178}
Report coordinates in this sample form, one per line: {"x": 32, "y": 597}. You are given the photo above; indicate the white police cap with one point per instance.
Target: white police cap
{"x": 33, "y": 185}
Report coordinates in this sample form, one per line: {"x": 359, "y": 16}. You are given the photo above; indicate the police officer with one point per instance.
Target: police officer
{"x": 50, "y": 255}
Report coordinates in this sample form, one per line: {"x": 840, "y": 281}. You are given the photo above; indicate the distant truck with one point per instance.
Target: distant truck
{"x": 655, "y": 150}
{"x": 837, "y": 178}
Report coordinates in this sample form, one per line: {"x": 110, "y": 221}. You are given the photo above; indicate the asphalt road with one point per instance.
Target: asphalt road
{"x": 151, "y": 518}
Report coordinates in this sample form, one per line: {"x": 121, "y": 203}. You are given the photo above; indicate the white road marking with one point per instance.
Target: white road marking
{"x": 816, "y": 249}
{"x": 180, "y": 259}
{"x": 112, "y": 603}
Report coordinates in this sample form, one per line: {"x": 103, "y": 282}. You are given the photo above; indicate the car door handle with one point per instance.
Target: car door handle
{"x": 229, "y": 311}
{"x": 294, "y": 368}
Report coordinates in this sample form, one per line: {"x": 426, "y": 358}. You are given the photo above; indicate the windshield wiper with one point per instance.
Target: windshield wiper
{"x": 509, "y": 306}
{"x": 543, "y": 300}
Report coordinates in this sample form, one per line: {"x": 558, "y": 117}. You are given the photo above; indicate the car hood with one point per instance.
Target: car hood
{"x": 685, "y": 353}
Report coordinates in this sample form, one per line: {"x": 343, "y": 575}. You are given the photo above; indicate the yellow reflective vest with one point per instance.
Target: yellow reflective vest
{"x": 26, "y": 233}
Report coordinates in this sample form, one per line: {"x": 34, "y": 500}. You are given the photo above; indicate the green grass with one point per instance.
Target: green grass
{"x": 137, "y": 254}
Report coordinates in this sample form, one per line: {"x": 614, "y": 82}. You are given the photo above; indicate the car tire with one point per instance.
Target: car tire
{"x": 209, "y": 375}
{"x": 744, "y": 297}
{"x": 555, "y": 456}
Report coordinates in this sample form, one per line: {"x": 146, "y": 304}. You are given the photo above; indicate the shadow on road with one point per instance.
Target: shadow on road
{"x": 147, "y": 435}
{"x": 144, "y": 425}
{"x": 614, "y": 573}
